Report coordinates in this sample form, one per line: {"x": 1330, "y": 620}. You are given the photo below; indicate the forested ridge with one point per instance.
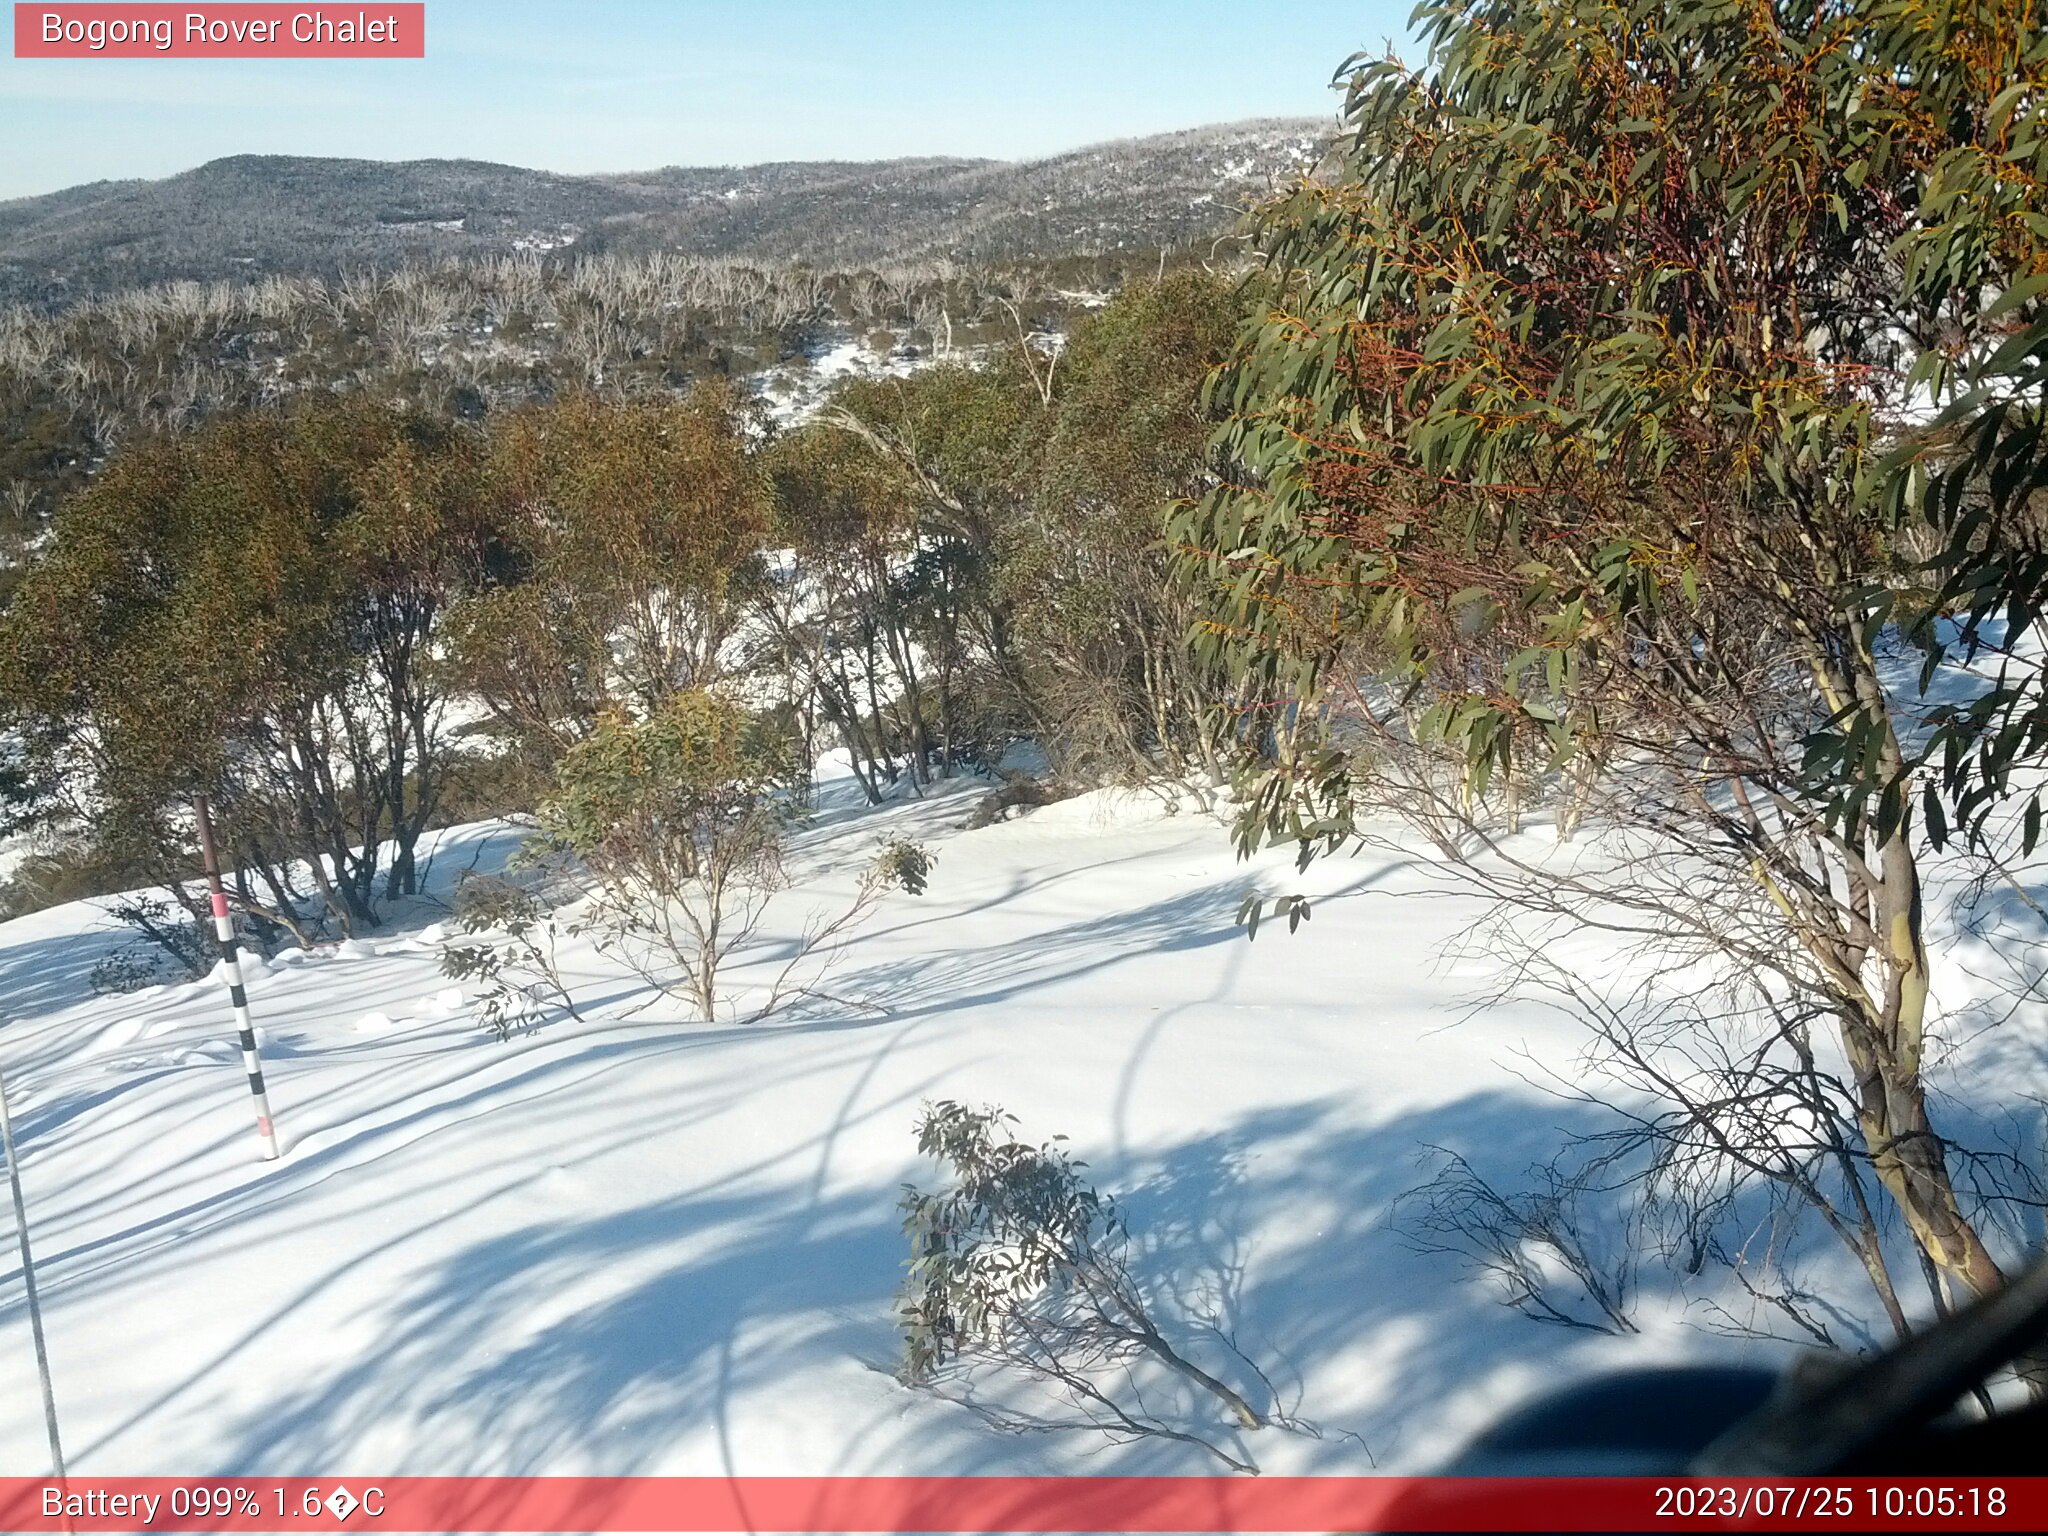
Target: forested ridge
{"x": 255, "y": 216}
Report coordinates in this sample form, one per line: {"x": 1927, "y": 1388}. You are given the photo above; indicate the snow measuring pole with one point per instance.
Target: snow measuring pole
{"x": 224, "y": 930}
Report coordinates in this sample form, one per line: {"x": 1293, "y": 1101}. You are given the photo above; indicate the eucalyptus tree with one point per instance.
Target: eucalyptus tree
{"x": 1592, "y": 436}
{"x": 252, "y": 610}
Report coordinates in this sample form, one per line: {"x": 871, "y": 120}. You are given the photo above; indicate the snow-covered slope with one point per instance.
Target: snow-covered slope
{"x": 641, "y": 1245}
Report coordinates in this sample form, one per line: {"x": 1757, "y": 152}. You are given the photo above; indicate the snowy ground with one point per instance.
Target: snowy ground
{"x": 794, "y": 391}
{"x": 650, "y": 1246}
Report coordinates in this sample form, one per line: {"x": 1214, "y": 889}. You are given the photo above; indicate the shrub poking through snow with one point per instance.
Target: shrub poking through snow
{"x": 513, "y": 960}
{"x": 172, "y": 947}
{"x": 1020, "y": 1263}
{"x": 904, "y": 865}
{"x": 900, "y": 865}
{"x": 680, "y": 817}
{"x": 131, "y": 969}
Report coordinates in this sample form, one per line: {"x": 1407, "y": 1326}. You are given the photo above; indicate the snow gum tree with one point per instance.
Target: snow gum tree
{"x": 634, "y": 528}
{"x": 1585, "y": 439}
{"x": 844, "y": 621}
{"x": 251, "y": 610}
{"x": 1103, "y": 623}
{"x": 957, "y": 446}
{"x": 985, "y": 542}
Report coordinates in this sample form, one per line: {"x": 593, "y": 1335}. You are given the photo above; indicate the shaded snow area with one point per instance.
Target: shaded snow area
{"x": 646, "y": 1245}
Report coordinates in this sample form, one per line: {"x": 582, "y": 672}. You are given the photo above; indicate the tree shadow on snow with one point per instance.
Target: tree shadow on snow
{"x": 601, "y": 1343}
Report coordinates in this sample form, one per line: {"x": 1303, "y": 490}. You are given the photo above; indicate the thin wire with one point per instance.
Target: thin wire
{"x": 28, "y": 1275}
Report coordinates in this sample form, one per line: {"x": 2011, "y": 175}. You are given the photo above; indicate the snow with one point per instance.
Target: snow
{"x": 647, "y": 1245}
{"x": 796, "y": 390}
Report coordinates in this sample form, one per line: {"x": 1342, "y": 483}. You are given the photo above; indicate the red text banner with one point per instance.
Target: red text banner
{"x": 1025, "y": 1504}
{"x": 114, "y": 31}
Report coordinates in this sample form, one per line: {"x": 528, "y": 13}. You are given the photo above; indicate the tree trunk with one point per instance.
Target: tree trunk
{"x": 1887, "y": 1045}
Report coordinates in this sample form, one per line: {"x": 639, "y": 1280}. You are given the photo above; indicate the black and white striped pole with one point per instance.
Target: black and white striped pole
{"x": 231, "y": 957}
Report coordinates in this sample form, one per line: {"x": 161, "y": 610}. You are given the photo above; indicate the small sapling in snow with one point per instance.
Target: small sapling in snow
{"x": 1020, "y": 1264}
{"x": 513, "y": 958}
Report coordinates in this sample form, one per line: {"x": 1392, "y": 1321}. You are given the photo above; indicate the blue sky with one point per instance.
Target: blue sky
{"x": 619, "y": 85}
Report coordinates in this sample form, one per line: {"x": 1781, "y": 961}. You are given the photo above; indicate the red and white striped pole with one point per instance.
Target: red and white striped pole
{"x": 224, "y": 930}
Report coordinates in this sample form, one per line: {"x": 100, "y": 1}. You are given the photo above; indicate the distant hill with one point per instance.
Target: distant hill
{"x": 257, "y": 214}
